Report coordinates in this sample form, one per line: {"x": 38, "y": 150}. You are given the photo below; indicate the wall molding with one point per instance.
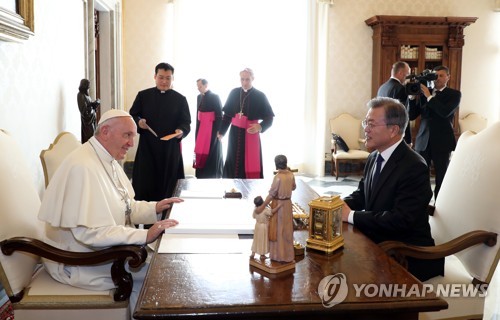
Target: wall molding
{"x": 17, "y": 26}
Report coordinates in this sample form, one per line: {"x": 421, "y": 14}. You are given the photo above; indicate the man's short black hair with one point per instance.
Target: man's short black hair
{"x": 439, "y": 68}
{"x": 164, "y": 66}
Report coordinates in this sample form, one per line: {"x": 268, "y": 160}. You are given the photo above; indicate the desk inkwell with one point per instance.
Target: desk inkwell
{"x": 233, "y": 194}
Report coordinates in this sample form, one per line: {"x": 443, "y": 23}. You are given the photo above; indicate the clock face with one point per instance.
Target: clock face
{"x": 326, "y": 223}
{"x": 319, "y": 223}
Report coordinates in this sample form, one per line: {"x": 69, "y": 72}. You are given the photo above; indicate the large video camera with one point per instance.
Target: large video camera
{"x": 413, "y": 86}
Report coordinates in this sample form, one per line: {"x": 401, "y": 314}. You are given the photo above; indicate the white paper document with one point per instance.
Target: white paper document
{"x": 203, "y": 243}
{"x": 213, "y": 216}
{"x": 204, "y": 189}
{"x": 202, "y": 194}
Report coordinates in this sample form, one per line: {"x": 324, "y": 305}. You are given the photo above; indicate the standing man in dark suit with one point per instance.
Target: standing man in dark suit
{"x": 435, "y": 138}
{"x": 394, "y": 88}
{"x": 392, "y": 197}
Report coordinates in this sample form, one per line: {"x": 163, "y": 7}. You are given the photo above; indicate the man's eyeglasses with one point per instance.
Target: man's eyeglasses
{"x": 371, "y": 125}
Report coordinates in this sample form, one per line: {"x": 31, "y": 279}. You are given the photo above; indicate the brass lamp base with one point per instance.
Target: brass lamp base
{"x": 325, "y": 246}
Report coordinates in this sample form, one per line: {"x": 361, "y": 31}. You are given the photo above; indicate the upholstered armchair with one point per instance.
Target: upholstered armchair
{"x": 347, "y": 144}
{"x": 465, "y": 223}
{"x": 51, "y": 158}
{"x": 492, "y": 300}
{"x": 472, "y": 122}
{"x": 33, "y": 293}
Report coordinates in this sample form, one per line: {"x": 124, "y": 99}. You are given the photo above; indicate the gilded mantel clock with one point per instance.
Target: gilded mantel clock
{"x": 325, "y": 224}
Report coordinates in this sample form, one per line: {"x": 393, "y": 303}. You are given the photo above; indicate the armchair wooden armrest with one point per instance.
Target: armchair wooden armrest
{"x": 399, "y": 250}
{"x": 136, "y": 255}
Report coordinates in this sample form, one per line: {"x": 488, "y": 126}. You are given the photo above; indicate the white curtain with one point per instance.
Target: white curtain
{"x": 216, "y": 39}
{"x": 317, "y": 55}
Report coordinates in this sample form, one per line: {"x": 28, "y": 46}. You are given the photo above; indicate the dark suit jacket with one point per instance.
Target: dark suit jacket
{"x": 392, "y": 88}
{"x": 436, "y": 128}
{"x": 396, "y": 207}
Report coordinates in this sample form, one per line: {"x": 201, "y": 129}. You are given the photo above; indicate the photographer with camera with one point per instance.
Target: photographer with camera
{"x": 395, "y": 88}
{"x": 435, "y": 138}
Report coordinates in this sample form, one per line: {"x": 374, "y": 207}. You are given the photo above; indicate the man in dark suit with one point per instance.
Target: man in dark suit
{"x": 394, "y": 88}
{"x": 435, "y": 139}
{"x": 391, "y": 204}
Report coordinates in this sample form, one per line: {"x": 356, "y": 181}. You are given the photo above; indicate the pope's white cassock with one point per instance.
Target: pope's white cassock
{"x": 84, "y": 207}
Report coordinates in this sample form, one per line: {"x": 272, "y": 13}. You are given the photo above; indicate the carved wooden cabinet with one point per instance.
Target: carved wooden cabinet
{"x": 423, "y": 42}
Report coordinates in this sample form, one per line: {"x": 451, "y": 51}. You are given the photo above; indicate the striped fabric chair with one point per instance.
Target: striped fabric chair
{"x": 346, "y": 131}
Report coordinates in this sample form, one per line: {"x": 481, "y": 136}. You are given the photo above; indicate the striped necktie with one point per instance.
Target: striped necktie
{"x": 378, "y": 168}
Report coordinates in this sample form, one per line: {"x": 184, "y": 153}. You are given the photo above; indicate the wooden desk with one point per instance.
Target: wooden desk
{"x": 224, "y": 286}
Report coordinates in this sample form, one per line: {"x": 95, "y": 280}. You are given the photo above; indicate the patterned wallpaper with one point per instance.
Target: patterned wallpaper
{"x": 39, "y": 80}
{"x": 350, "y": 52}
{"x": 351, "y": 35}
{"x": 144, "y": 44}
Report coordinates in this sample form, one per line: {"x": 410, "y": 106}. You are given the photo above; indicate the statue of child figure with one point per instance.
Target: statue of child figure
{"x": 260, "y": 244}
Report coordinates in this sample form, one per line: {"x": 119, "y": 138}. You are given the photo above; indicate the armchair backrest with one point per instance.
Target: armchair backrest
{"x": 469, "y": 199}
{"x": 51, "y": 158}
{"x": 19, "y": 204}
{"x": 472, "y": 122}
{"x": 349, "y": 128}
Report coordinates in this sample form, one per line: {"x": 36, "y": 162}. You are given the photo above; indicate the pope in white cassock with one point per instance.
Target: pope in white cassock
{"x": 89, "y": 204}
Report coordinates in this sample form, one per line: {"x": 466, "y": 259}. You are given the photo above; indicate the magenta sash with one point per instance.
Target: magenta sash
{"x": 202, "y": 146}
{"x": 252, "y": 147}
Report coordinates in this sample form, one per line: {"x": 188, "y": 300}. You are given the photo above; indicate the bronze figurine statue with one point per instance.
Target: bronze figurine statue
{"x": 88, "y": 110}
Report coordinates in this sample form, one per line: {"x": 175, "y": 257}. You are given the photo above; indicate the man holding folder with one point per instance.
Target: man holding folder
{"x": 163, "y": 120}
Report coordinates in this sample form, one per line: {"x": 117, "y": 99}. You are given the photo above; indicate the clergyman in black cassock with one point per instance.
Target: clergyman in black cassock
{"x": 158, "y": 164}
{"x": 208, "y": 160}
{"x": 244, "y": 108}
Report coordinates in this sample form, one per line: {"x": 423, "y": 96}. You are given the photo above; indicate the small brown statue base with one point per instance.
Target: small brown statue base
{"x": 271, "y": 266}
